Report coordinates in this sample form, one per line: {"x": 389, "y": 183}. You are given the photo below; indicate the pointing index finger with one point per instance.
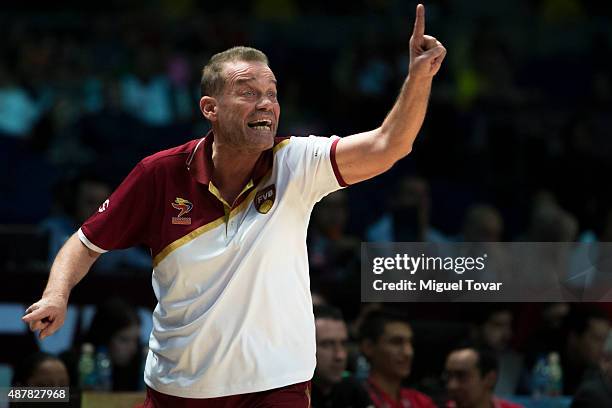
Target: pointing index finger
{"x": 419, "y": 22}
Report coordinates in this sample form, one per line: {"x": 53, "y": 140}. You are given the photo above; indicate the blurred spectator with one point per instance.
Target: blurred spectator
{"x": 471, "y": 374}
{"x": 333, "y": 254}
{"x": 549, "y": 222}
{"x": 77, "y": 200}
{"x": 542, "y": 330}
{"x": 483, "y": 223}
{"x": 579, "y": 340}
{"x": 330, "y": 387}
{"x": 386, "y": 341}
{"x": 548, "y": 335}
{"x": 41, "y": 370}
{"x": 115, "y": 327}
{"x": 596, "y": 390}
{"x": 18, "y": 110}
{"x": 586, "y": 330}
{"x": 591, "y": 260}
{"x": 408, "y": 218}
{"x": 317, "y": 298}
{"x": 493, "y": 330}
{"x": 103, "y": 130}
{"x": 146, "y": 94}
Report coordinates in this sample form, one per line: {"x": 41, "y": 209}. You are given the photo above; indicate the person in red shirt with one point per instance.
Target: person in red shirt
{"x": 386, "y": 341}
{"x": 471, "y": 374}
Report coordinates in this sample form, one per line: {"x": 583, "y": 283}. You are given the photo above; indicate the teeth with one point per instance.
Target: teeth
{"x": 261, "y": 127}
{"x": 261, "y": 123}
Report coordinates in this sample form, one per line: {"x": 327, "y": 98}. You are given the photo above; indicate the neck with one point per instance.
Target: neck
{"x": 390, "y": 385}
{"x": 232, "y": 169}
{"x": 323, "y": 386}
{"x": 486, "y": 403}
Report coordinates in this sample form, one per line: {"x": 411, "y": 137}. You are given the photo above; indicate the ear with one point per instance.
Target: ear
{"x": 208, "y": 106}
{"x": 490, "y": 379}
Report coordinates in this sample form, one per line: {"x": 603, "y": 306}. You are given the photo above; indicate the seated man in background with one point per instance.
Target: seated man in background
{"x": 76, "y": 199}
{"x": 596, "y": 390}
{"x": 41, "y": 370}
{"x": 586, "y": 330}
{"x": 330, "y": 388}
{"x": 386, "y": 341}
{"x": 471, "y": 375}
{"x": 493, "y": 330}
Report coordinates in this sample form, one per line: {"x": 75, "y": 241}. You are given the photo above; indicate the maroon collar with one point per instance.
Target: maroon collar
{"x": 200, "y": 164}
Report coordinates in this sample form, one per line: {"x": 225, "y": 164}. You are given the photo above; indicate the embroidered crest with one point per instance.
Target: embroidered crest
{"x": 184, "y": 206}
{"x": 264, "y": 199}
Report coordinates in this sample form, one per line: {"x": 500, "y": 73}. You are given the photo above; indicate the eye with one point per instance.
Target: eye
{"x": 248, "y": 92}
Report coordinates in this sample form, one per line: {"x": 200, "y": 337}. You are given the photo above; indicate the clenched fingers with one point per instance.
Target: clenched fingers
{"x": 49, "y": 329}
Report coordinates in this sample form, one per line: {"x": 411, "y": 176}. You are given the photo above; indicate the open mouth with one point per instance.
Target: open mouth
{"x": 260, "y": 124}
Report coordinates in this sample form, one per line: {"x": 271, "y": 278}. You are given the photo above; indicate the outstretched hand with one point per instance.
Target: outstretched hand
{"x": 426, "y": 53}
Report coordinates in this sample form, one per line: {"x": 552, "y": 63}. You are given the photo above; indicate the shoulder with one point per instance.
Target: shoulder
{"x": 178, "y": 154}
{"x": 593, "y": 389}
{"x": 305, "y": 144}
{"x": 502, "y": 403}
{"x": 420, "y": 399}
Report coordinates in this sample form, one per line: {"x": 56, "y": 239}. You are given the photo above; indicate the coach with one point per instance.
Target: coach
{"x": 225, "y": 218}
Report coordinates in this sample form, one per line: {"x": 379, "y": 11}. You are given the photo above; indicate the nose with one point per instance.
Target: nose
{"x": 265, "y": 103}
{"x": 407, "y": 349}
{"x": 340, "y": 353}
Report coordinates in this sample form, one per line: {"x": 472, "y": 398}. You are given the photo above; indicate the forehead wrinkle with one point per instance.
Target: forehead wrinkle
{"x": 239, "y": 75}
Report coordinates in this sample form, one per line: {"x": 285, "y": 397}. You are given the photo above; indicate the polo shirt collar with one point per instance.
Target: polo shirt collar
{"x": 200, "y": 164}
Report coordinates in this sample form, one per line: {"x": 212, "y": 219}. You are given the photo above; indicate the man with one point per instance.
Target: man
{"x": 41, "y": 370}
{"x": 408, "y": 218}
{"x": 493, "y": 330}
{"x": 471, "y": 374}
{"x": 386, "y": 342}
{"x": 596, "y": 390}
{"x": 88, "y": 191}
{"x": 586, "y": 331}
{"x": 329, "y": 386}
{"x": 225, "y": 218}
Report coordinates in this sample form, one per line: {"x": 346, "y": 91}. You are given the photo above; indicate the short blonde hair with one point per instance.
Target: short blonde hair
{"x": 212, "y": 74}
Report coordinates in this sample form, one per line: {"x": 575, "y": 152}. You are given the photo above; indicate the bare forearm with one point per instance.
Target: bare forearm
{"x": 70, "y": 266}
{"x": 402, "y": 124}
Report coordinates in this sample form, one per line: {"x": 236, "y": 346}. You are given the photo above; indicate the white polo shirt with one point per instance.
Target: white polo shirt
{"x": 234, "y": 312}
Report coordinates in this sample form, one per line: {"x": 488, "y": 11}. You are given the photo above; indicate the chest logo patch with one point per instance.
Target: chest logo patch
{"x": 264, "y": 199}
{"x": 184, "y": 206}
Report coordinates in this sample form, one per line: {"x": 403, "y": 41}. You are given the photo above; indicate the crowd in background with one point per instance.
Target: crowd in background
{"x": 515, "y": 145}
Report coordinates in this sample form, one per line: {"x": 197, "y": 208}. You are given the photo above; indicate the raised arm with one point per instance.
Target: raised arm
{"x": 365, "y": 155}
{"x": 70, "y": 266}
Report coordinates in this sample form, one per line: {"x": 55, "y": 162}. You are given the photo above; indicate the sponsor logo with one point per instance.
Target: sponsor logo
{"x": 104, "y": 206}
{"x": 264, "y": 199}
{"x": 184, "y": 206}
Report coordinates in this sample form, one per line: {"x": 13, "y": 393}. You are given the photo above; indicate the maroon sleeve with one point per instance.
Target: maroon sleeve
{"x": 124, "y": 220}
{"x": 335, "y": 164}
